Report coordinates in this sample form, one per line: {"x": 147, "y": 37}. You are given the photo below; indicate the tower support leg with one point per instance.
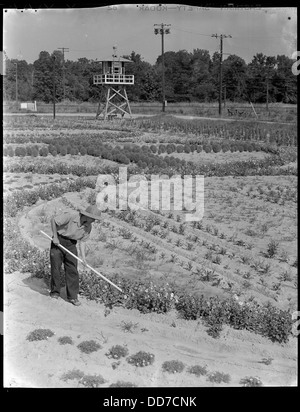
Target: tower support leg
{"x": 116, "y": 102}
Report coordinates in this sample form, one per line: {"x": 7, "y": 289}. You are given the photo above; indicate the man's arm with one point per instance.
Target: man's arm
{"x": 54, "y": 231}
{"x": 82, "y": 251}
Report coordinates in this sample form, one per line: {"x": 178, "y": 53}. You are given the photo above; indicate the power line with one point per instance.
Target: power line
{"x": 221, "y": 36}
{"x": 233, "y": 37}
{"x": 193, "y": 32}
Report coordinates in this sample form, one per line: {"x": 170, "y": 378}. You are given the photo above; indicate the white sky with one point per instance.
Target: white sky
{"x": 92, "y": 32}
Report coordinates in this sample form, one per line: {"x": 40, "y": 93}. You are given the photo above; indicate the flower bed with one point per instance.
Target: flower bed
{"x": 145, "y": 296}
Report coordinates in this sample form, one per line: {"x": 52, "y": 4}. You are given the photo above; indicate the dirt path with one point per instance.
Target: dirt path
{"x": 43, "y": 363}
{"x": 134, "y": 116}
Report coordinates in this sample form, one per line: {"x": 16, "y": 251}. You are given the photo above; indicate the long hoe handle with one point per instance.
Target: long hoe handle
{"x": 90, "y": 267}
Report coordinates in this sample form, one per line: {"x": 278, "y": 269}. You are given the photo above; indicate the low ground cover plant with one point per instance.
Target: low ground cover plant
{"x": 197, "y": 370}
{"x": 39, "y": 334}
{"x": 117, "y": 352}
{"x": 218, "y": 377}
{"x": 123, "y": 384}
{"x": 173, "y": 366}
{"x": 65, "y": 340}
{"x": 72, "y": 374}
{"x": 92, "y": 381}
{"x": 251, "y": 381}
{"x": 89, "y": 346}
{"x": 141, "y": 359}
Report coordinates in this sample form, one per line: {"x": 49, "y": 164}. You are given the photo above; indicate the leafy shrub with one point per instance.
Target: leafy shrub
{"x": 250, "y": 147}
{"x": 73, "y": 374}
{"x": 122, "y": 384}
{"x": 173, "y": 366}
{"x": 266, "y": 319}
{"x": 65, "y": 340}
{"x": 218, "y": 377}
{"x": 169, "y": 149}
{"x": 187, "y": 148}
{"x": 180, "y": 148}
{"x": 225, "y": 147}
{"x": 89, "y": 346}
{"x": 251, "y": 381}
{"x": 43, "y": 151}
{"x": 207, "y": 148}
{"x": 153, "y": 148}
{"x": 141, "y": 359}
{"x": 82, "y": 150}
{"x": 20, "y": 151}
{"x": 62, "y": 150}
{"x": 10, "y": 151}
{"x": 40, "y": 334}
{"x": 197, "y": 370}
{"x": 91, "y": 151}
{"x": 272, "y": 248}
{"x": 128, "y": 326}
{"x": 92, "y": 381}
{"x": 199, "y": 148}
{"x": 216, "y": 147}
{"x": 117, "y": 352}
{"x": 161, "y": 148}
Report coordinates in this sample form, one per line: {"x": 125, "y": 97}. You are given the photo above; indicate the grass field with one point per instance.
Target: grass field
{"x": 275, "y": 112}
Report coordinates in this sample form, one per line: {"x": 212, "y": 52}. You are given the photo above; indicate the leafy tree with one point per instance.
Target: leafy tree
{"x": 260, "y": 71}
{"x": 234, "y": 71}
{"x": 284, "y": 81}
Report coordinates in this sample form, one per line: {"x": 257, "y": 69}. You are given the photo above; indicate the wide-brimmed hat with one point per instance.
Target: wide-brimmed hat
{"x": 91, "y": 211}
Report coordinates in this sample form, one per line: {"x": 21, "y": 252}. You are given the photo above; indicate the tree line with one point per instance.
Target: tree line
{"x": 189, "y": 76}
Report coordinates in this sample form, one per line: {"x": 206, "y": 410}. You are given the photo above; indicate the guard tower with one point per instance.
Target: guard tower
{"x": 113, "y": 81}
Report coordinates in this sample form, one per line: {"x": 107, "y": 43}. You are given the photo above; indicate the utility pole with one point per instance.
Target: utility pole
{"x": 53, "y": 81}
{"x": 16, "y": 64}
{"x": 267, "y": 99}
{"x": 162, "y": 29}
{"x": 222, "y": 36}
{"x": 63, "y": 50}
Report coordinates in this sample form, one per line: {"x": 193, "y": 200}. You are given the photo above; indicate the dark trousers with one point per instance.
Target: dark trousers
{"x": 59, "y": 256}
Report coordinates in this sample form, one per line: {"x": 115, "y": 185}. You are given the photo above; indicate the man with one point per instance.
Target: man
{"x": 68, "y": 228}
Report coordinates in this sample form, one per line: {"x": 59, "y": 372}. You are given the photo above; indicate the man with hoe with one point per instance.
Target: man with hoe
{"x": 68, "y": 228}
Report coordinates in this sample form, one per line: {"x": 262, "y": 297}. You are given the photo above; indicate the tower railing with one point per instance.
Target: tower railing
{"x": 113, "y": 79}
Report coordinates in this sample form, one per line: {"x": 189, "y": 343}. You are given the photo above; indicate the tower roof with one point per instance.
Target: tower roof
{"x": 110, "y": 59}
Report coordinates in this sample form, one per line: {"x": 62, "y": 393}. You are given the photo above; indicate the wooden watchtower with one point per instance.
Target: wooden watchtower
{"x": 113, "y": 81}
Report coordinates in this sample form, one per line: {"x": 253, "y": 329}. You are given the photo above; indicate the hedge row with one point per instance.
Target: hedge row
{"x": 122, "y": 154}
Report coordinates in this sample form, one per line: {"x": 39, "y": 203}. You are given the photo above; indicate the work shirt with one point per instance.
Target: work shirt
{"x": 68, "y": 225}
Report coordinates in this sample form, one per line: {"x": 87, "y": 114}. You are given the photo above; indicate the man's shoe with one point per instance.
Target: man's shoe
{"x": 54, "y": 295}
{"x": 75, "y": 302}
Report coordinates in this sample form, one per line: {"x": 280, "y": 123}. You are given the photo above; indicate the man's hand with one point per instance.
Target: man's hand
{"x": 55, "y": 240}
{"x": 83, "y": 262}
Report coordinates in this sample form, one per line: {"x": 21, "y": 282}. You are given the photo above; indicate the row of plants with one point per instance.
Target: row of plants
{"x": 13, "y": 202}
{"x": 52, "y": 136}
{"x": 169, "y": 165}
{"x": 215, "y": 253}
{"x": 144, "y": 296}
{"x": 281, "y": 134}
{"x": 94, "y": 146}
{"x": 33, "y": 122}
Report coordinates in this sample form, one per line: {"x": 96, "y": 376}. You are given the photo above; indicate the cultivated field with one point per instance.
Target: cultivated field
{"x": 206, "y": 303}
